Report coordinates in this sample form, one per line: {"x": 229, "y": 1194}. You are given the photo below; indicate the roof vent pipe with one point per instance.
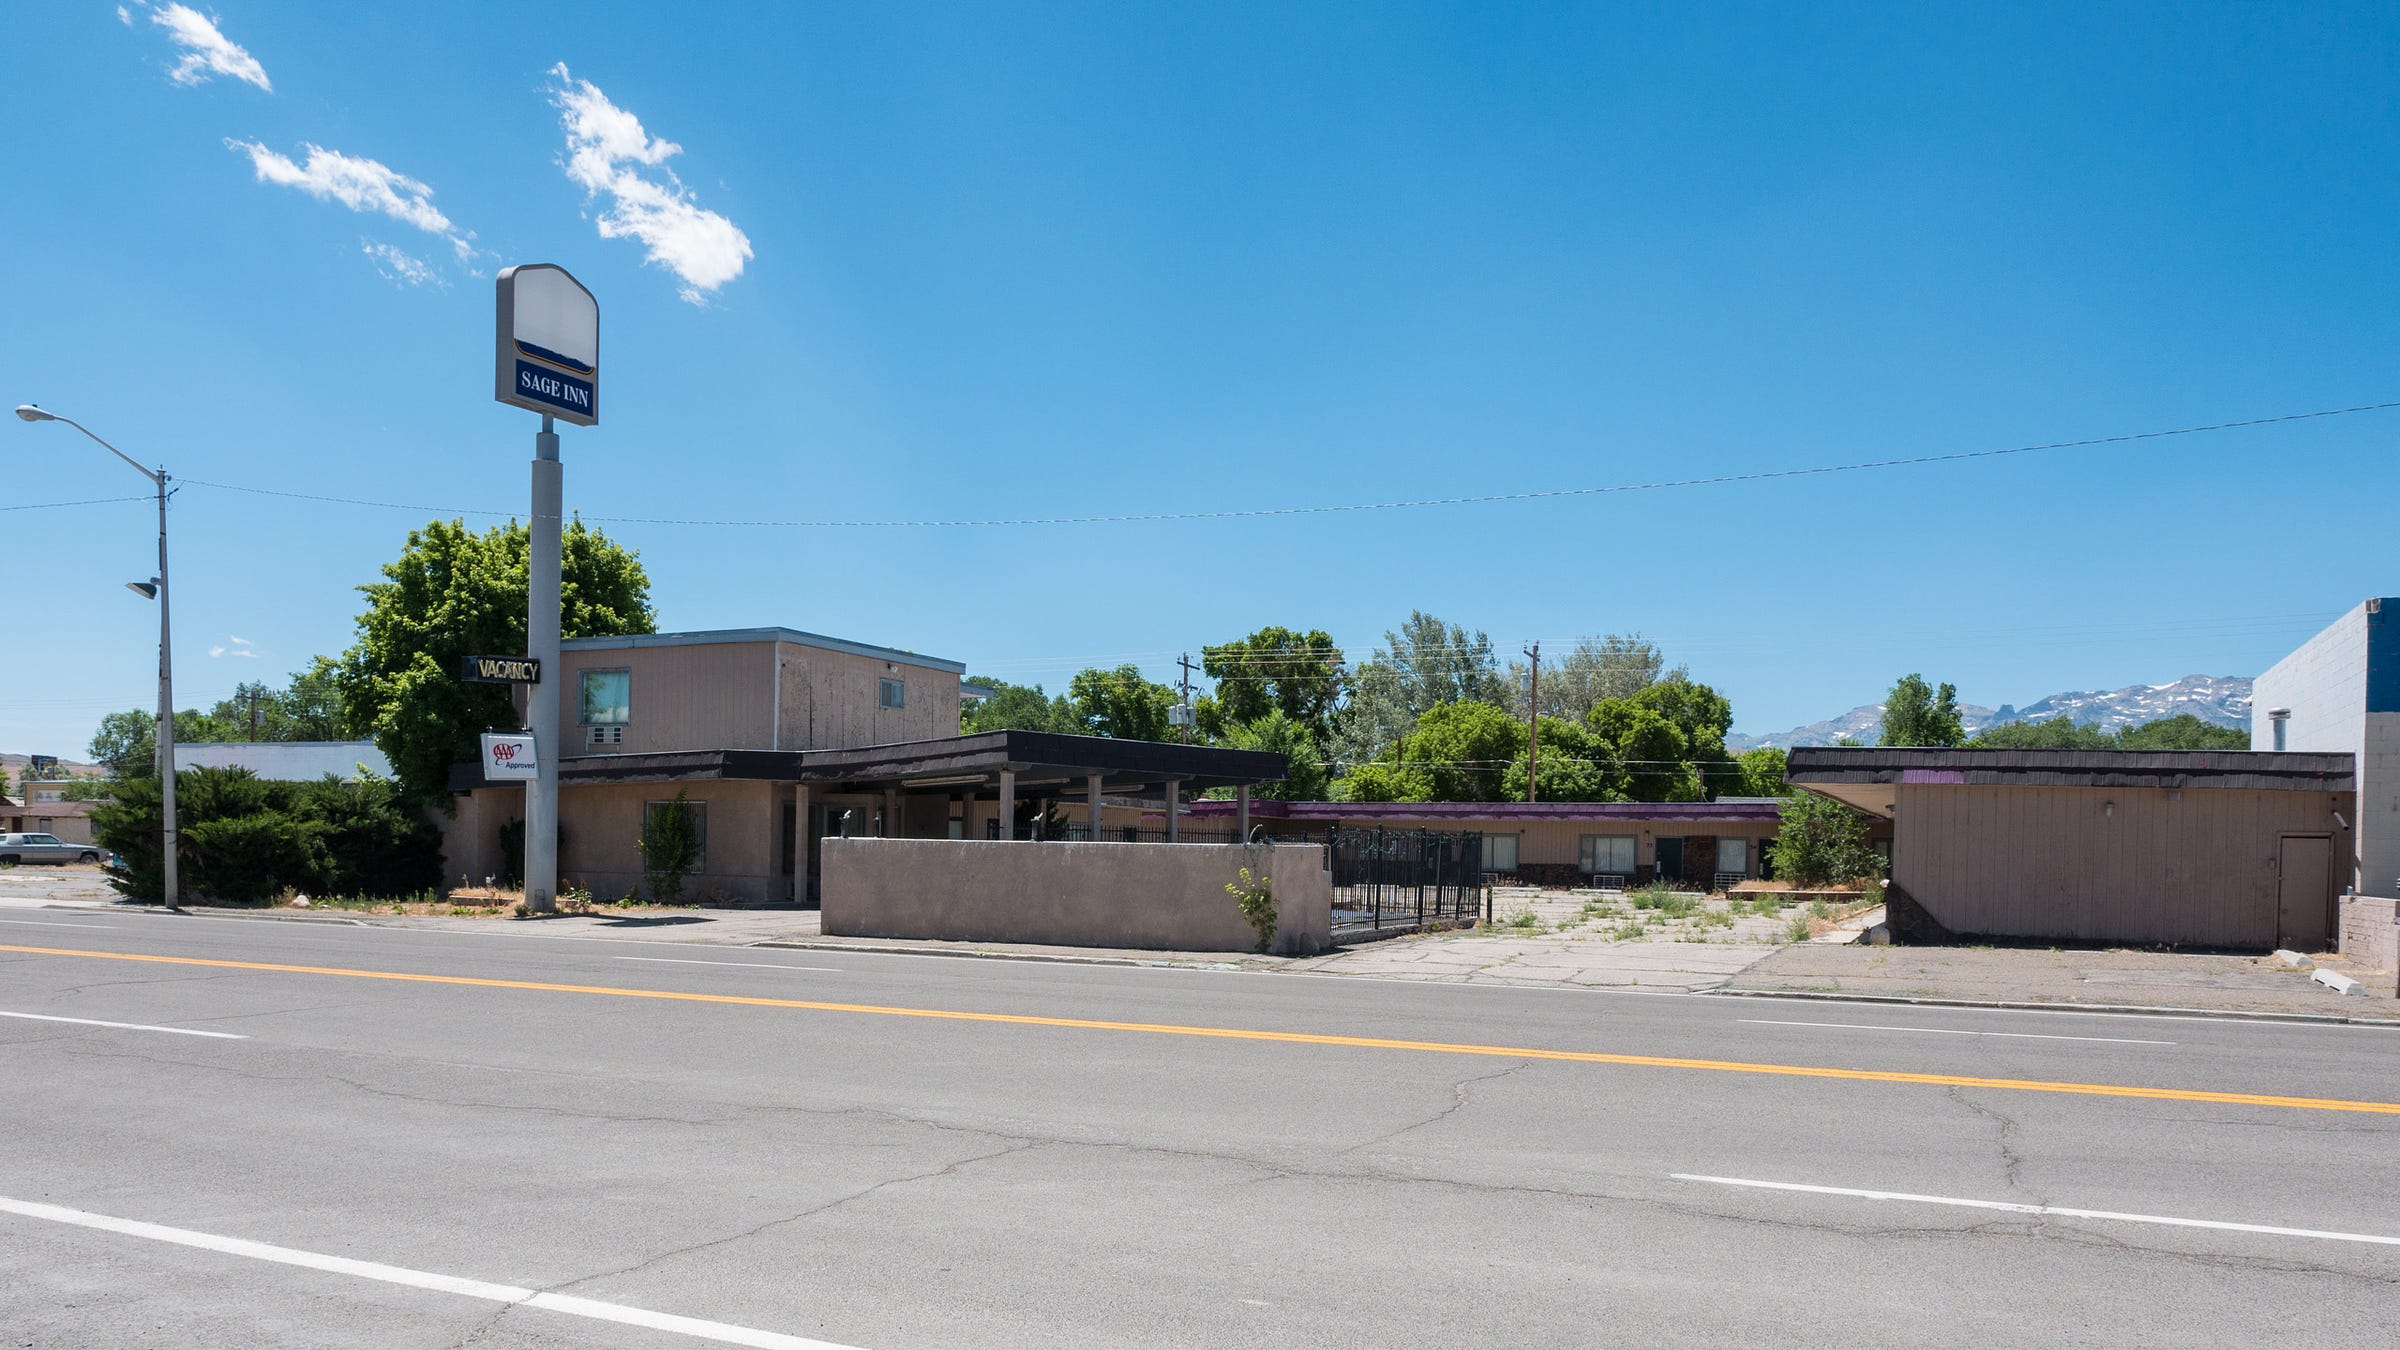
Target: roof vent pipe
{"x": 2282, "y": 718}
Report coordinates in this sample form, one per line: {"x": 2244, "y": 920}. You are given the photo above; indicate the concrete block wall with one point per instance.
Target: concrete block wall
{"x": 2369, "y": 935}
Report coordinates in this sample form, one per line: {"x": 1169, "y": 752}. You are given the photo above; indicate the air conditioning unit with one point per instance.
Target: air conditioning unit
{"x": 600, "y": 737}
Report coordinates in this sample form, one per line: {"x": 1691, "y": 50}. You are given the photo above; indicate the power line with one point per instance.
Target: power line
{"x": 86, "y": 501}
{"x": 1245, "y": 513}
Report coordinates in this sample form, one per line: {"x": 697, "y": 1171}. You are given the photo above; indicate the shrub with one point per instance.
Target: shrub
{"x": 1256, "y": 896}
{"x": 1823, "y": 842}
{"x": 670, "y": 846}
{"x": 244, "y": 839}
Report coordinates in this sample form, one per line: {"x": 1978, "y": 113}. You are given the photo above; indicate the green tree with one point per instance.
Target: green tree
{"x": 1619, "y": 665}
{"x": 453, "y": 593}
{"x": 1759, "y": 774}
{"x": 1278, "y": 669}
{"x": 1017, "y": 707}
{"x": 308, "y": 708}
{"x": 1577, "y": 765}
{"x": 1120, "y": 703}
{"x": 2183, "y": 732}
{"x": 1465, "y": 749}
{"x": 1915, "y": 713}
{"x": 2052, "y": 733}
{"x": 1822, "y": 843}
{"x": 127, "y": 742}
{"x": 1278, "y": 733}
{"x": 1385, "y": 781}
{"x": 1426, "y": 662}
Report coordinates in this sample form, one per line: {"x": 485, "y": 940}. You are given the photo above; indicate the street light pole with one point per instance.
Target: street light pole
{"x": 166, "y": 670}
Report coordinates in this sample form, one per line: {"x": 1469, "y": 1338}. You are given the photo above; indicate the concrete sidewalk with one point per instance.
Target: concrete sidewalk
{"x": 2067, "y": 977}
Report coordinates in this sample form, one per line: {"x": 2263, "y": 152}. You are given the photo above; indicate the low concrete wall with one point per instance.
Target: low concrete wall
{"x": 2369, "y": 934}
{"x": 1168, "y": 897}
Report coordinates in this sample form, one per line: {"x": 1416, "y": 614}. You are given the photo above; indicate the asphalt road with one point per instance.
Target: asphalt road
{"x": 576, "y": 1142}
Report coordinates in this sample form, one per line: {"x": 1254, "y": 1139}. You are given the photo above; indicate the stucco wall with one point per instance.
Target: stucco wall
{"x": 1167, "y": 897}
{"x": 599, "y": 825}
{"x": 2343, "y": 688}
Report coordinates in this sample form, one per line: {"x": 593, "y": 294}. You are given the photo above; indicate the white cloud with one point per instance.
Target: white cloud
{"x": 125, "y": 16}
{"x": 240, "y": 647}
{"x": 207, "y": 52}
{"x": 400, "y": 268}
{"x": 363, "y": 185}
{"x": 607, "y": 153}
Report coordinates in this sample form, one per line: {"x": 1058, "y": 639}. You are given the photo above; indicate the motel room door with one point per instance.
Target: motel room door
{"x": 1669, "y": 855}
{"x": 2303, "y": 891}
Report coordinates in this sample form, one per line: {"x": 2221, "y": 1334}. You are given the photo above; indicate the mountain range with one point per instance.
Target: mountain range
{"x": 2222, "y": 699}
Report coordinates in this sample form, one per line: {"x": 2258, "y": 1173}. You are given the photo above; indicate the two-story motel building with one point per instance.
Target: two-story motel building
{"x": 780, "y": 738}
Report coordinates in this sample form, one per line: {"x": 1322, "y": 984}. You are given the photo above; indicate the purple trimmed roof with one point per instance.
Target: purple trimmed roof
{"x": 1734, "y": 810}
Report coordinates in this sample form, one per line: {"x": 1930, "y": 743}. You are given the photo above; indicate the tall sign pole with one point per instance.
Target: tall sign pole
{"x": 547, "y": 361}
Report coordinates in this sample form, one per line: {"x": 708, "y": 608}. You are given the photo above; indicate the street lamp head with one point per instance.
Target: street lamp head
{"x": 148, "y": 590}
{"x": 28, "y": 412}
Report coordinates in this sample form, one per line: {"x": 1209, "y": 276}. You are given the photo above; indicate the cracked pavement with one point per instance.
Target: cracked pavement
{"x": 917, "y": 1181}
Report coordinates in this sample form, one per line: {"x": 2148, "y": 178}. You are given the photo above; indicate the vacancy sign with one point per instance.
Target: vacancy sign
{"x": 509, "y": 755}
{"x": 548, "y": 344}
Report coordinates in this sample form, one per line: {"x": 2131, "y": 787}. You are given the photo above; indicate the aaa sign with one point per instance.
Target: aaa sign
{"x": 509, "y": 756}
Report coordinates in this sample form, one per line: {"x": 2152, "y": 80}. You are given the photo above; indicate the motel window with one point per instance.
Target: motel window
{"x": 1733, "y": 855}
{"x": 49, "y": 795}
{"x": 1500, "y": 853}
{"x": 604, "y": 698}
{"x": 891, "y": 694}
{"x": 1611, "y": 854}
{"x": 699, "y": 816}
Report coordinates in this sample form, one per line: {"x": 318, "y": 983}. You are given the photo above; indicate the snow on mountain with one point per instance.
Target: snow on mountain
{"x": 2222, "y": 699}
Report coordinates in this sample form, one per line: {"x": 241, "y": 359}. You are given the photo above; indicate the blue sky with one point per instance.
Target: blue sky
{"x": 872, "y": 263}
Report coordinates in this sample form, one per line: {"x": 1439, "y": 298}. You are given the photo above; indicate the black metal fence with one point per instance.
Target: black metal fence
{"x": 1403, "y": 878}
{"x": 1077, "y": 832}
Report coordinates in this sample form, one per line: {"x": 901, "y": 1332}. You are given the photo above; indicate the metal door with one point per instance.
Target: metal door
{"x": 2304, "y": 892}
{"x": 1670, "y": 860}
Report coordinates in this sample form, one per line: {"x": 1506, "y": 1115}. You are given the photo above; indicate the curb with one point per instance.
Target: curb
{"x": 792, "y": 944}
{"x": 2222, "y": 1014}
{"x": 210, "y": 912}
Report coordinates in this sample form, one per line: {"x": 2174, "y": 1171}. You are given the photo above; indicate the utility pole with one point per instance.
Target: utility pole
{"x": 254, "y": 715}
{"x": 1186, "y": 663}
{"x": 1533, "y": 724}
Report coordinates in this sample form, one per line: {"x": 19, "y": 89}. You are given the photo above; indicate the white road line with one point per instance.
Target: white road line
{"x": 722, "y": 1332}
{"x": 1947, "y": 1031}
{"x": 754, "y": 965}
{"x": 126, "y": 1026}
{"x": 2060, "y": 1210}
{"x": 40, "y": 923}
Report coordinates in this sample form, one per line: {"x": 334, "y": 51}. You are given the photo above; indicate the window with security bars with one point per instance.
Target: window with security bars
{"x": 1733, "y": 855}
{"x": 891, "y": 694}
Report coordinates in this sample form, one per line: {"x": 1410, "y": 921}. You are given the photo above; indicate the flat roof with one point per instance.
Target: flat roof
{"x": 1045, "y": 763}
{"x": 1746, "y": 809}
{"x": 1865, "y": 776}
{"x": 714, "y": 636}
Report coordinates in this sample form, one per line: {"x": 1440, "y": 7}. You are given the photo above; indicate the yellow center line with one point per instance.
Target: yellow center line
{"x": 1284, "y": 1037}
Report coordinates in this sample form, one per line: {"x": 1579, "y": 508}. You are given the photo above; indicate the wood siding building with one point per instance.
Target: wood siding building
{"x": 2206, "y": 849}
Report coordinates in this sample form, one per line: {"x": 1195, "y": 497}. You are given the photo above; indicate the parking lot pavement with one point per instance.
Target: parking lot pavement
{"x": 2090, "y": 976}
{"x": 52, "y": 885}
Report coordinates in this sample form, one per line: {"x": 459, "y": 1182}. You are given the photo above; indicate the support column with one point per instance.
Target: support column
{"x": 1091, "y": 794}
{"x": 891, "y": 814}
{"x": 1008, "y": 803}
{"x": 1241, "y": 813}
{"x": 541, "y": 705}
{"x": 1174, "y": 810}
